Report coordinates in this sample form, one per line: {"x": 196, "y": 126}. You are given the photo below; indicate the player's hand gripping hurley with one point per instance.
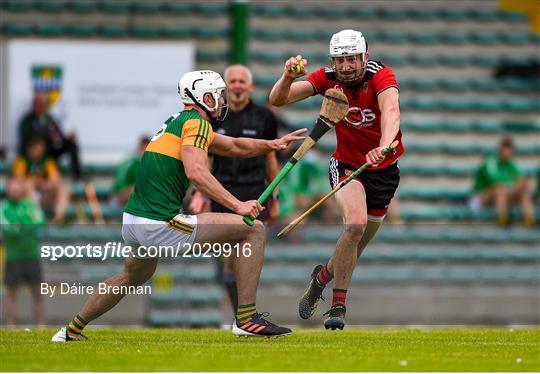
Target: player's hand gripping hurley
{"x": 358, "y": 171}
{"x": 334, "y": 108}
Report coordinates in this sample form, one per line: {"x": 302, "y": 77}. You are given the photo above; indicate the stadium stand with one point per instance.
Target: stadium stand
{"x": 454, "y": 110}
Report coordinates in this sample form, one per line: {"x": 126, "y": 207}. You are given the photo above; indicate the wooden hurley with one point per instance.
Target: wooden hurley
{"x": 358, "y": 171}
{"x": 333, "y": 109}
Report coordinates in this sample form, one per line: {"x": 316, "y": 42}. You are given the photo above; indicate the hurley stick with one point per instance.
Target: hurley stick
{"x": 334, "y": 108}
{"x": 294, "y": 223}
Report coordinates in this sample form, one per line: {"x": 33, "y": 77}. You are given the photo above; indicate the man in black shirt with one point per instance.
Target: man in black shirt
{"x": 245, "y": 178}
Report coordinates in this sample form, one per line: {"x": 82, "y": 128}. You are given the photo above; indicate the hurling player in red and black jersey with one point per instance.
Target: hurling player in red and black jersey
{"x": 371, "y": 124}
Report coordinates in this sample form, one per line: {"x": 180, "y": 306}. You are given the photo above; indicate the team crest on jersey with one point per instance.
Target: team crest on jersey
{"x": 47, "y": 79}
{"x": 364, "y": 87}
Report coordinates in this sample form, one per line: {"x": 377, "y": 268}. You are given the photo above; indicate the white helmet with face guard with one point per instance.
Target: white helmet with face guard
{"x": 348, "y": 43}
{"x": 195, "y": 84}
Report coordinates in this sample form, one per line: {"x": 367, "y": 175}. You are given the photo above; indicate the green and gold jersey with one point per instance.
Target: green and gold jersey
{"x": 161, "y": 181}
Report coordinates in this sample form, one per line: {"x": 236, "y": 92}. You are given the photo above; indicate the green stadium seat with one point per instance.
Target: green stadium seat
{"x": 423, "y": 37}
{"x": 484, "y": 38}
{"x": 516, "y": 60}
{"x": 51, "y": 30}
{"x": 485, "y": 14}
{"x": 392, "y": 60}
{"x": 21, "y": 5}
{"x": 430, "y": 193}
{"x": 175, "y": 317}
{"x": 177, "y": 8}
{"x": 271, "y": 35}
{"x": 517, "y": 17}
{"x": 115, "y": 7}
{"x": 423, "y": 60}
{"x": 299, "y": 11}
{"x": 487, "y": 105}
{"x": 519, "y": 105}
{"x": 520, "y": 84}
{"x": 301, "y": 35}
{"x": 210, "y": 9}
{"x": 487, "y": 61}
{"x": 82, "y": 30}
{"x": 456, "y": 38}
{"x": 270, "y": 11}
{"x": 208, "y": 56}
{"x": 422, "y": 14}
{"x": 52, "y": 6}
{"x": 18, "y": 29}
{"x": 83, "y": 6}
{"x": 177, "y": 32}
{"x": 393, "y": 14}
{"x": 191, "y": 295}
{"x": 145, "y": 31}
{"x": 267, "y": 57}
{"x": 486, "y": 126}
{"x": 453, "y": 14}
{"x": 525, "y": 127}
{"x": 363, "y": 12}
{"x": 424, "y": 84}
{"x": 454, "y": 60}
{"x": 514, "y": 38}
{"x": 113, "y": 31}
{"x": 486, "y": 85}
{"x": 147, "y": 7}
{"x": 455, "y": 85}
{"x": 392, "y": 37}
{"x": 456, "y": 105}
{"x": 207, "y": 32}
{"x": 331, "y": 12}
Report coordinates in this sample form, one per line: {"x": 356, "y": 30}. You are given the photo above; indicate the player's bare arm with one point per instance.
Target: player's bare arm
{"x": 195, "y": 162}
{"x": 224, "y": 145}
{"x": 388, "y": 101}
{"x": 286, "y": 90}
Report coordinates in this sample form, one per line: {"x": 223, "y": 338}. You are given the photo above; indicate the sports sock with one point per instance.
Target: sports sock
{"x": 339, "y": 297}
{"x": 244, "y": 313}
{"x": 232, "y": 290}
{"x": 324, "y": 276}
{"x": 75, "y": 327}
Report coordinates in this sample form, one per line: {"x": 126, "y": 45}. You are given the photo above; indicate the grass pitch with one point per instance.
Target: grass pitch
{"x": 473, "y": 349}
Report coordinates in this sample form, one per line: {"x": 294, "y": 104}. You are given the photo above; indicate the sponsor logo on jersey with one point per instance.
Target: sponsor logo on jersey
{"x": 359, "y": 117}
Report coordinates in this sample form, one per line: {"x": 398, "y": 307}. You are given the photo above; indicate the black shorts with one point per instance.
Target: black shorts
{"x": 380, "y": 185}
{"x": 243, "y": 192}
{"x": 23, "y": 271}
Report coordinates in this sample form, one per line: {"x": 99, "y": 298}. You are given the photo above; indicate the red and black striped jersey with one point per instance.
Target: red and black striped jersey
{"x": 360, "y": 131}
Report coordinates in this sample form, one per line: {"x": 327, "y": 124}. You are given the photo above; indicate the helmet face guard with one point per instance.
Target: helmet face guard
{"x": 347, "y": 43}
{"x": 217, "y": 94}
{"x": 359, "y": 72}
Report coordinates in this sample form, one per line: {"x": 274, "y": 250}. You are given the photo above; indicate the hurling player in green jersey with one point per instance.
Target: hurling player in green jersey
{"x": 177, "y": 156}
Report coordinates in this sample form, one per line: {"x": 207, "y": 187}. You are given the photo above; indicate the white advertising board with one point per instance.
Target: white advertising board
{"x": 110, "y": 93}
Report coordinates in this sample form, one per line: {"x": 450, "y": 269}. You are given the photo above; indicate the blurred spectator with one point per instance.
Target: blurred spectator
{"x": 500, "y": 182}
{"x": 38, "y": 122}
{"x": 126, "y": 174}
{"x": 21, "y": 218}
{"x": 41, "y": 173}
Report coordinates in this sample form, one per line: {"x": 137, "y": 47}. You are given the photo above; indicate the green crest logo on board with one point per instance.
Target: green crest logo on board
{"x": 47, "y": 79}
